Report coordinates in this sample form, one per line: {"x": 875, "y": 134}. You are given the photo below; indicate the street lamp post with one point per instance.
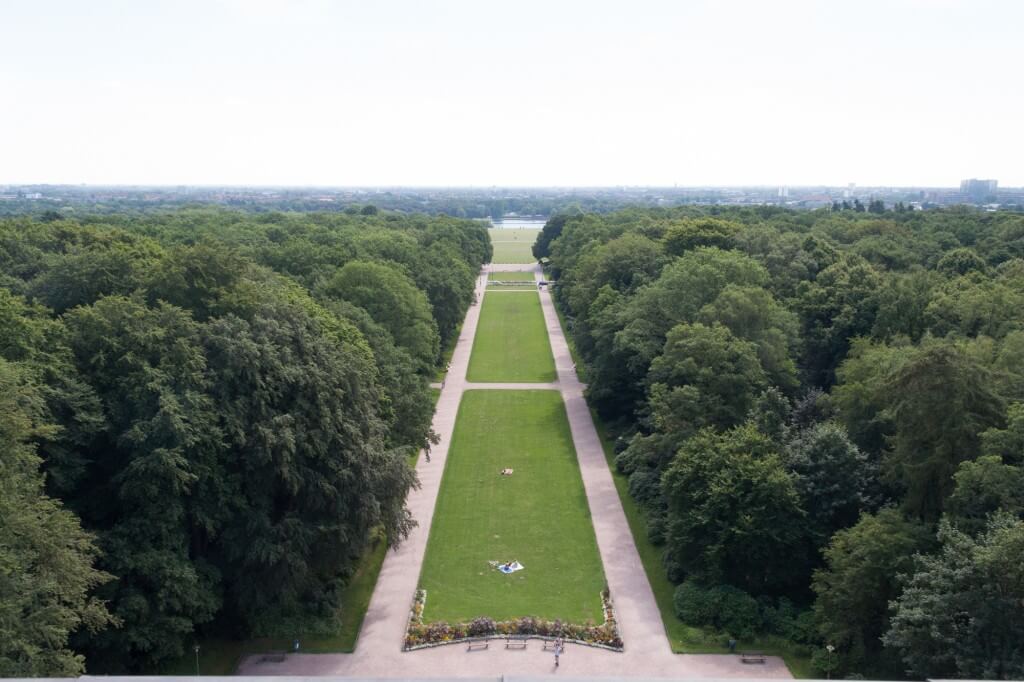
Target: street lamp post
{"x": 830, "y": 649}
{"x": 196, "y": 649}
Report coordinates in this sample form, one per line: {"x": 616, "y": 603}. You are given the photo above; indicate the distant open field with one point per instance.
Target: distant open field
{"x": 512, "y": 276}
{"x": 513, "y": 245}
{"x": 511, "y": 341}
{"x": 537, "y": 516}
{"x": 515, "y": 281}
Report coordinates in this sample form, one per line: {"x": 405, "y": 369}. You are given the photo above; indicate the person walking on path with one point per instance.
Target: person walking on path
{"x": 558, "y": 650}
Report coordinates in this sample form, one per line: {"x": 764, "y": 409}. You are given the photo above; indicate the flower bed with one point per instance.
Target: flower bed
{"x": 421, "y": 635}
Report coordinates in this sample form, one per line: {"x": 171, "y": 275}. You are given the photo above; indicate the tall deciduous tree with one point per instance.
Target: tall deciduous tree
{"x": 298, "y": 408}
{"x": 752, "y": 314}
{"x": 839, "y": 305}
{"x": 734, "y": 514}
{"x": 691, "y": 233}
{"x": 861, "y": 576}
{"x": 47, "y": 572}
{"x": 148, "y": 369}
{"x": 960, "y": 614}
{"x": 705, "y": 377}
{"x": 939, "y": 403}
{"x": 394, "y": 302}
{"x": 834, "y": 478}
{"x": 984, "y": 487}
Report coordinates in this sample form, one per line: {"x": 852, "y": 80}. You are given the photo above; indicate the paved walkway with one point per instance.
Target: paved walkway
{"x": 647, "y": 652}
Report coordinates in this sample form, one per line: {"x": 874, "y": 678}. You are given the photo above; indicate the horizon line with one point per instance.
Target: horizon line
{"x": 619, "y": 186}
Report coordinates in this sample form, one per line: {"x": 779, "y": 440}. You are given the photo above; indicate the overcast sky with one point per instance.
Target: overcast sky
{"x": 371, "y": 92}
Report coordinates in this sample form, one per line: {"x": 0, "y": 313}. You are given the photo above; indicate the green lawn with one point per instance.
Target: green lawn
{"x": 220, "y": 656}
{"x": 511, "y": 276}
{"x": 511, "y": 341}
{"x": 516, "y": 281}
{"x": 513, "y": 246}
{"x": 538, "y": 516}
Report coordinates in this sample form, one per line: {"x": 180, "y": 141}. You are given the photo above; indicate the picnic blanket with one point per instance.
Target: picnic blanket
{"x": 509, "y": 568}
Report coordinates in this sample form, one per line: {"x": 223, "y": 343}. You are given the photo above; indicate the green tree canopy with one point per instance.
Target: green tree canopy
{"x": 939, "y": 402}
{"x": 47, "y": 574}
{"x": 394, "y": 302}
{"x": 734, "y": 515}
{"x": 984, "y": 487}
{"x": 859, "y": 580}
{"x": 833, "y": 477}
{"x": 705, "y": 377}
{"x": 960, "y": 614}
{"x": 687, "y": 234}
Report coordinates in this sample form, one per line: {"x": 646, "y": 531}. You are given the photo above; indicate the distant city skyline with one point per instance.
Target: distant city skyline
{"x": 898, "y": 93}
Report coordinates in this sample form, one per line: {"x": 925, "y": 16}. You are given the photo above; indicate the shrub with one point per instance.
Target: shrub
{"x": 645, "y": 487}
{"x": 626, "y": 461}
{"x": 786, "y": 620}
{"x": 656, "y": 527}
{"x": 694, "y": 604}
{"x": 723, "y": 607}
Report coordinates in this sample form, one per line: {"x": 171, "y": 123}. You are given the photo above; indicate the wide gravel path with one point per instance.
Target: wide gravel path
{"x": 647, "y": 651}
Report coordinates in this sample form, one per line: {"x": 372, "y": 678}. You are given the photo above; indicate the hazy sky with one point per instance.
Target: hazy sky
{"x": 370, "y": 92}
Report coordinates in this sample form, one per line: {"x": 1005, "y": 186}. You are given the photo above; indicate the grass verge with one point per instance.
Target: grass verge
{"x": 511, "y": 341}
{"x": 446, "y": 354}
{"x": 537, "y": 516}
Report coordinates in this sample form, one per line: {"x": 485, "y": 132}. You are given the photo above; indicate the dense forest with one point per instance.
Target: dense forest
{"x": 206, "y": 417}
{"x": 822, "y": 415}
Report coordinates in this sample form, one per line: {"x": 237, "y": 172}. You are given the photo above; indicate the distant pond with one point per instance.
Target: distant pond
{"x": 519, "y": 223}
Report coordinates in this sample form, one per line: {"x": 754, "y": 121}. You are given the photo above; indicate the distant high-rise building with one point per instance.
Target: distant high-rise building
{"x": 848, "y": 192}
{"x": 978, "y": 190}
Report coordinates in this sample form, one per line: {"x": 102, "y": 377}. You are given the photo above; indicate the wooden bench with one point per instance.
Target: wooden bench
{"x": 515, "y": 642}
{"x": 549, "y": 645}
{"x": 751, "y": 657}
{"x": 272, "y": 657}
{"x": 478, "y": 645}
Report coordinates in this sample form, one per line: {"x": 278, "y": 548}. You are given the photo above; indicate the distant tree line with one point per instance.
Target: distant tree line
{"x": 822, "y": 414}
{"x": 206, "y": 418}
{"x": 458, "y": 204}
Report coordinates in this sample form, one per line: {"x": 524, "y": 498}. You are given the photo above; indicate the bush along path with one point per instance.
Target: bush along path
{"x": 646, "y": 651}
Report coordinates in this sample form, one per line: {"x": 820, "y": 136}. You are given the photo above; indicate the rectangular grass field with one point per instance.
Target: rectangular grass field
{"x": 516, "y": 281}
{"x": 511, "y": 276}
{"x": 511, "y": 341}
{"x": 513, "y": 245}
{"x": 537, "y": 516}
